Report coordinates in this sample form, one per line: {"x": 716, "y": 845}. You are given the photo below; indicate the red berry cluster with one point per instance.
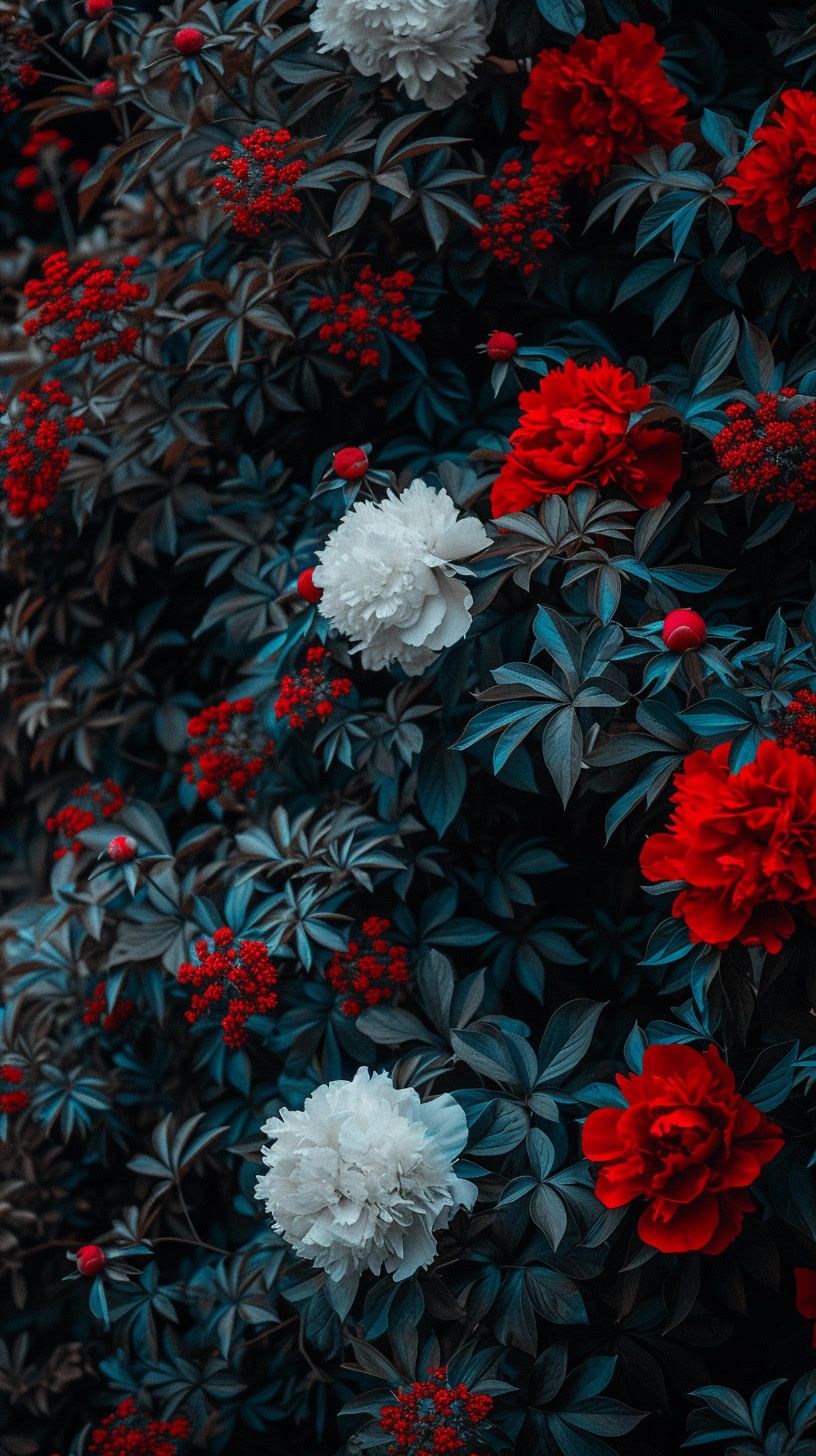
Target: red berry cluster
{"x": 13, "y": 1096}
{"x": 34, "y": 454}
{"x": 521, "y": 215}
{"x": 42, "y": 152}
{"x": 433, "y": 1418}
{"x": 17, "y": 41}
{"x": 259, "y": 182}
{"x": 312, "y": 692}
{"x": 127, "y": 1431}
{"x": 227, "y": 749}
{"x": 370, "y": 969}
{"x": 81, "y": 308}
{"x": 242, "y": 976}
{"x": 374, "y": 304}
{"x": 771, "y": 449}
{"x": 795, "y": 726}
{"x": 96, "y": 1011}
{"x": 103, "y": 802}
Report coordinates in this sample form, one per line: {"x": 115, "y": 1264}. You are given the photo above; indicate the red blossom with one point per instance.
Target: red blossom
{"x": 501, "y": 346}
{"x": 575, "y": 430}
{"x": 306, "y": 587}
{"x": 127, "y": 1431}
{"x": 105, "y": 89}
{"x": 91, "y": 1260}
{"x": 795, "y": 726}
{"x": 688, "y": 1143}
{"x": 601, "y": 102}
{"x": 771, "y": 449}
{"x": 775, "y": 175}
{"x": 371, "y": 969}
{"x": 237, "y": 980}
{"x": 84, "y": 308}
{"x": 188, "y": 41}
{"x": 96, "y": 1011}
{"x": 433, "y": 1418}
{"x": 13, "y": 1095}
{"x": 123, "y": 847}
{"x": 743, "y": 844}
{"x": 34, "y": 453}
{"x": 521, "y": 215}
{"x": 228, "y": 749}
{"x": 683, "y": 629}
{"x": 257, "y": 186}
{"x": 102, "y": 801}
{"x": 312, "y": 692}
{"x": 350, "y": 463}
{"x": 375, "y": 304}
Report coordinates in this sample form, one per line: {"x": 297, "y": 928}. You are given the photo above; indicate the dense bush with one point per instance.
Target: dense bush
{"x": 409, "y": 476}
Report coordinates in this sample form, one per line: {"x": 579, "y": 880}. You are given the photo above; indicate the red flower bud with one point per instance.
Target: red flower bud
{"x": 188, "y": 41}
{"x": 501, "y": 346}
{"x": 306, "y": 587}
{"x": 122, "y": 848}
{"x": 95, "y": 9}
{"x": 350, "y": 463}
{"x": 91, "y": 1260}
{"x": 105, "y": 90}
{"x": 683, "y": 629}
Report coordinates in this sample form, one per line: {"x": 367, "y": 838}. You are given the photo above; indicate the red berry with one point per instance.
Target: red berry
{"x": 94, "y": 9}
{"x": 122, "y": 848}
{"x": 350, "y": 463}
{"x": 105, "y": 90}
{"x": 501, "y": 346}
{"x": 91, "y": 1260}
{"x": 683, "y": 629}
{"x": 306, "y": 587}
{"x": 188, "y": 41}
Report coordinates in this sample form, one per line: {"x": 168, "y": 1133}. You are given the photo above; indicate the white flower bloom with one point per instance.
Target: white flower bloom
{"x": 430, "y": 46}
{"x": 388, "y": 579}
{"x": 363, "y": 1177}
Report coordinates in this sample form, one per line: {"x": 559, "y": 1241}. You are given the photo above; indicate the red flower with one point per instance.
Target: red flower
{"x": 34, "y": 451}
{"x": 574, "y": 430}
{"x": 806, "y": 1294}
{"x": 743, "y": 843}
{"x": 13, "y": 1095}
{"x": 91, "y": 1260}
{"x": 237, "y": 979}
{"x": 127, "y": 1431}
{"x": 188, "y": 41}
{"x": 773, "y": 177}
{"x": 257, "y": 185}
{"x": 601, "y": 102}
{"x": 228, "y": 749}
{"x": 771, "y": 448}
{"x": 350, "y": 463}
{"x": 683, "y": 629}
{"x": 795, "y": 725}
{"x": 520, "y": 215}
{"x": 688, "y": 1143}
{"x": 370, "y": 970}
{"x": 104, "y": 800}
{"x": 312, "y": 692}
{"x": 96, "y": 1011}
{"x": 433, "y": 1418}
{"x": 375, "y": 304}
{"x": 81, "y": 309}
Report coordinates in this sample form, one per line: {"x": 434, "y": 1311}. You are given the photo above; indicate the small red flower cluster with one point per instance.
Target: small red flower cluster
{"x": 601, "y": 102}
{"x": 373, "y": 305}
{"x": 370, "y": 970}
{"x": 104, "y": 802}
{"x": 15, "y": 1098}
{"x": 795, "y": 726}
{"x": 259, "y": 182}
{"x": 433, "y": 1418}
{"x": 34, "y": 453}
{"x": 42, "y": 151}
{"x": 688, "y": 1143}
{"x": 227, "y": 750}
{"x": 744, "y": 844}
{"x": 521, "y": 214}
{"x": 81, "y": 308}
{"x": 127, "y": 1431}
{"x": 17, "y": 41}
{"x": 775, "y": 175}
{"x": 242, "y": 976}
{"x": 769, "y": 450}
{"x": 312, "y": 692}
{"x": 96, "y": 1011}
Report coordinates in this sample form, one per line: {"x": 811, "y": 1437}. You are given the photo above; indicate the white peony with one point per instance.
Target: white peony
{"x": 388, "y": 579}
{"x": 363, "y": 1177}
{"x": 431, "y": 46}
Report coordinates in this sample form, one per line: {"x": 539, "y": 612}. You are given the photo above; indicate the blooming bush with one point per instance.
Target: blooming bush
{"x": 408, "y": 923}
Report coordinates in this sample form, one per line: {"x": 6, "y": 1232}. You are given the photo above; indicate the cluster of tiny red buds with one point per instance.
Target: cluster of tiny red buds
{"x": 521, "y": 215}
{"x": 258, "y": 185}
{"x": 375, "y": 304}
{"x": 34, "y": 455}
{"x": 370, "y": 970}
{"x": 127, "y": 1431}
{"x": 13, "y": 1095}
{"x": 771, "y": 450}
{"x": 42, "y": 152}
{"x": 795, "y": 725}
{"x": 94, "y": 803}
{"x": 17, "y": 41}
{"x": 96, "y": 1011}
{"x": 227, "y": 749}
{"x": 241, "y": 976}
{"x": 433, "y": 1418}
{"x": 312, "y": 692}
{"x": 82, "y": 308}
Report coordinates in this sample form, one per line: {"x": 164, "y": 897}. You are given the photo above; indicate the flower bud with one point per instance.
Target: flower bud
{"x": 95, "y": 9}
{"x": 188, "y": 41}
{"x": 122, "y": 848}
{"x": 501, "y": 346}
{"x": 351, "y": 463}
{"x": 90, "y": 1260}
{"x": 683, "y": 629}
{"x": 105, "y": 90}
{"x": 306, "y": 587}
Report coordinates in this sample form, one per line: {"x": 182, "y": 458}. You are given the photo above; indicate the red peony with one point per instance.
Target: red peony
{"x": 91, "y": 1260}
{"x": 601, "y": 102}
{"x": 743, "y": 843}
{"x": 574, "y": 430}
{"x": 688, "y": 1143}
{"x": 773, "y": 177}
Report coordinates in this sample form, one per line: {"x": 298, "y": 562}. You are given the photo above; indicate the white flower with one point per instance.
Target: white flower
{"x": 362, "y": 1178}
{"x": 431, "y": 46}
{"x": 388, "y": 581}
